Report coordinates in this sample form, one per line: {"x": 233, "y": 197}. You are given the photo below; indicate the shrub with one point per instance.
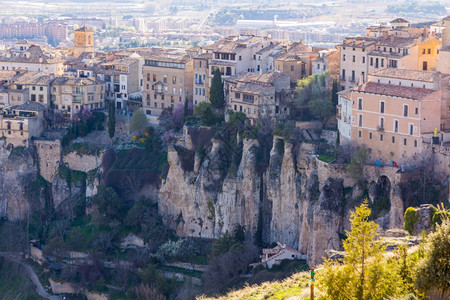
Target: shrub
{"x": 411, "y": 217}
{"x": 438, "y": 216}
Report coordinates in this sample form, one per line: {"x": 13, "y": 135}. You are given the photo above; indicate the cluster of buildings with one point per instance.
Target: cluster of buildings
{"x": 395, "y": 96}
{"x": 394, "y": 82}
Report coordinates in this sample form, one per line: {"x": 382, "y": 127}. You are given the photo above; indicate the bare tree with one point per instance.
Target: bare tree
{"x": 104, "y": 241}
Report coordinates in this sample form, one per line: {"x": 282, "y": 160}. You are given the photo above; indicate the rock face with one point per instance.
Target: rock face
{"x": 21, "y": 190}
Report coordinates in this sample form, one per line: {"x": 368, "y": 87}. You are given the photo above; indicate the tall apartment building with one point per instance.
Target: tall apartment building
{"x": 201, "y": 78}
{"x": 55, "y": 32}
{"x": 398, "y": 46}
{"x": 167, "y": 81}
{"x": 122, "y": 80}
{"x": 393, "y": 113}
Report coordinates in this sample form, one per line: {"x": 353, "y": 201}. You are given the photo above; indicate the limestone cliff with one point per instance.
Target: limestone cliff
{"x": 21, "y": 189}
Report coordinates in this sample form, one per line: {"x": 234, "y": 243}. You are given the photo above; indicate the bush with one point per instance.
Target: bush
{"x": 411, "y": 218}
{"x": 181, "y": 250}
{"x": 438, "y": 216}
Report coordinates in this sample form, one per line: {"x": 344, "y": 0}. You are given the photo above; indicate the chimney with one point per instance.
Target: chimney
{"x": 384, "y": 34}
{"x": 392, "y": 38}
{"x": 426, "y": 32}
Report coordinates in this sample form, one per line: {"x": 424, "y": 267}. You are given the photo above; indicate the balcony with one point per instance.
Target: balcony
{"x": 77, "y": 99}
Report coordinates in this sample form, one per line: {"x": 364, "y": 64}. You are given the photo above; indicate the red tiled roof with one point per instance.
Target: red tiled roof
{"x": 396, "y": 91}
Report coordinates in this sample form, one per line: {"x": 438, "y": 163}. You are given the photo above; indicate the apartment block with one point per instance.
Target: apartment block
{"x": 168, "y": 80}
{"x": 394, "y": 112}
{"x": 398, "y": 46}
{"x": 258, "y": 96}
{"x": 122, "y": 80}
{"x": 20, "y": 123}
{"x": 69, "y": 94}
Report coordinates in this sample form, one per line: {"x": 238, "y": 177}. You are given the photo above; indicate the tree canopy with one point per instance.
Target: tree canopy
{"x": 216, "y": 95}
{"x": 363, "y": 274}
{"x": 138, "y": 122}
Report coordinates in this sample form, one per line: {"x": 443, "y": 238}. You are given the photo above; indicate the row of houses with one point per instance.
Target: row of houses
{"x": 396, "y": 112}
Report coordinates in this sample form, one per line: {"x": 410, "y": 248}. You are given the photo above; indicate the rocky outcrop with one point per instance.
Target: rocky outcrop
{"x": 22, "y": 191}
{"x": 206, "y": 201}
{"x": 284, "y": 190}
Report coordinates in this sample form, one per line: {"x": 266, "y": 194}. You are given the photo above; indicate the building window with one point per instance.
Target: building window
{"x": 416, "y": 110}
{"x": 429, "y": 51}
{"x": 370, "y": 135}
{"x": 382, "y": 63}
{"x": 343, "y": 74}
{"x": 404, "y": 142}
{"x": 364, "y": 60}
{"x": 411, "y": 129}
{"x": 393, "y": 139}
{"x": 155, "y": 104}
{"x": 360, "y": 120}
{"x": 174, "y": 79}
{"x": 353, "y": 76}
{"x": 425, "y": 66}
{"x": 165, "y": 78}
{"x": 381, "y": 123}
{"x": 359, "y": 133}
{"x": 382, "y": 107}
{"x": 415, "y": 143}
{"x": 371, "y": 61}
{"x": 395, "y": 125}
{"x": 376, "y": 62}
{"x": 405, "y": 110}
{"x": 343, "y": 57}
{"x": 154, "y": 77}
{"x": 381, "y": 137}
{"x": 354, "y": 58}
{"x": 360, "y": 103}
{"x": 292, "y": 68}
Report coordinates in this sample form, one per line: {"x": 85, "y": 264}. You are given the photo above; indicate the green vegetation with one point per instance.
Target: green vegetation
{"x": 433, "y": 270}
{"x": 84, "y": 149}
{"x": 14, "y": 282}
{"x": 111, "y": 119}
{"x": 216, "y": 94}
{"x": 411, "y": 217}
{"x": 93, "y": 121}
{"x": 16, "y": 152}
{"x": 138, "y": 122}
{"x": 205, "y": 113}
{"x": 314, "y": 96}
{"x": 363, "y": 267}
{"x": 357, "y": 163}
{"x": 327, "y": 157}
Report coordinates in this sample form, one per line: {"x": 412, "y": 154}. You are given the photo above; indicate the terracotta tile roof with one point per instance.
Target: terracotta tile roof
{"x": 70, "y": 80}
{"x": 257, "y": 89}
{"x": 395, "y": 41}
{"x": 406, "y": 74}
{"x": 33, "y": 78}
{"x": 84, "y": 29}
{"x": 30, "y": 106}
{"x": 359, "y": 42}
{"x": 396, "y": 91}
{"x": 267, "y": 78}
{"x": 399, "y": 20}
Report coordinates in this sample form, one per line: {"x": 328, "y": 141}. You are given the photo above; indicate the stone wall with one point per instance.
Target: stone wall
{"x": 330, "y": 136}
{"x": 83, "y": 163}
{"x": 49, "y": 155}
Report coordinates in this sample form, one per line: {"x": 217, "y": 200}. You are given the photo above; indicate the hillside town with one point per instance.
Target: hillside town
{"x": 176, "y": 170}
{"x": 393, "y": 82}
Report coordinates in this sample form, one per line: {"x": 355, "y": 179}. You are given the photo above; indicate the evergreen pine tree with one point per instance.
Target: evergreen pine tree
{"x": 363, "y": 274}
{"x": 216, "y": 95}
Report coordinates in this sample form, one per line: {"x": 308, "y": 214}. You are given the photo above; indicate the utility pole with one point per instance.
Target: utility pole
{"x": 312, "y": 283}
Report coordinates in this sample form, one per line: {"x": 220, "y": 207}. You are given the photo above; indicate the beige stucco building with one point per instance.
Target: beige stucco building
{"x": 394, "y": 112}
{"x": 69, "y": 94}
{"x": 258, "y": 96}
{"x": 167, "y": 82}
{"x": 18, "y": 124}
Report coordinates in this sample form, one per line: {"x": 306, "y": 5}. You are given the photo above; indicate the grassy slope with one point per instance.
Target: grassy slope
{"x": 294, "y": 287}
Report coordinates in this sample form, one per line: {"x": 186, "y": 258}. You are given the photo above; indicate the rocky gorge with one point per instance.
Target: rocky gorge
{"x": 298, "y": 199}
